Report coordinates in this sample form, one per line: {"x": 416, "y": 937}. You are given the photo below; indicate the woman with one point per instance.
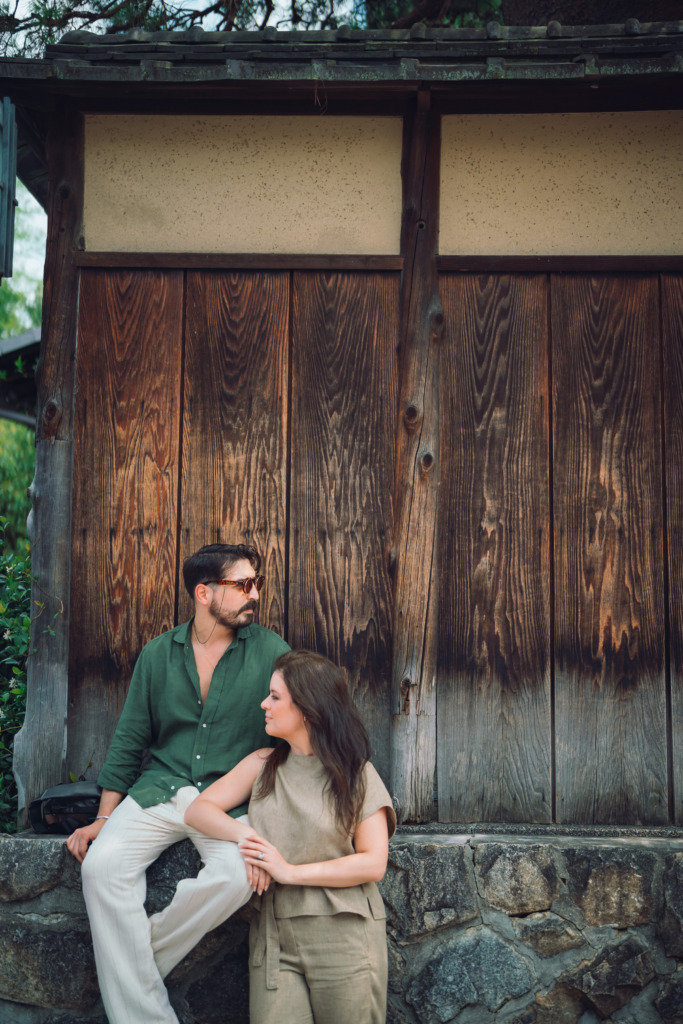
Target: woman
{"x": 320, "y": 822}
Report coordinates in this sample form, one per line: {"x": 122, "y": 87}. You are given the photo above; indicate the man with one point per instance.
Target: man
{"x": 194, "y": 703}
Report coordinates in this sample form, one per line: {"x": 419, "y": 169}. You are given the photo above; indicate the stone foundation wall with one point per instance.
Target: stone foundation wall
{"x": 515, "y": 929}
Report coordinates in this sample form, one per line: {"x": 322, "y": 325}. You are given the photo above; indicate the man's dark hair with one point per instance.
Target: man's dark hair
{"x": 213, "y": 560}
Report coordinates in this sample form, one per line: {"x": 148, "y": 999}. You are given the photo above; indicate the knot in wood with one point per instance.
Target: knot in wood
{"x": 51, "y": 411}
{"x": 427, "y": 462}
{"x": 64, "y": 192}
{"x": 411, "y": 417}
{"x": 421, "y": 225}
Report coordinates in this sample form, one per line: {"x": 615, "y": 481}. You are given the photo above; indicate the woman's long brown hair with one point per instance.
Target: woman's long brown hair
{"x": 338, "y": 737}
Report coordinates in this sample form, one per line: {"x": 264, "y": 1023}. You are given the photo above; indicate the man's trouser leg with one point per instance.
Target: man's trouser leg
{"x": 114, "y": 887}
{"x": 200, "y": 904}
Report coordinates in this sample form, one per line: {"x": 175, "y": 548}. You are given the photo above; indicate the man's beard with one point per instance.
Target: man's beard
{"x": 232, "y": 620}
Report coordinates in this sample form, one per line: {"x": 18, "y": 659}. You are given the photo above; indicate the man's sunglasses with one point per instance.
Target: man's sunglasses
{"x": 243, "y": 585}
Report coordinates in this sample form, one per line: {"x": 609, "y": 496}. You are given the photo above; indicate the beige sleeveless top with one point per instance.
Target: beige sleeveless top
{"x": 298, "y": 818}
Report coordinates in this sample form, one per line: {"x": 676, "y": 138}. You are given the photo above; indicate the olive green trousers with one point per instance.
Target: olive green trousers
{"x": 319, "y": 970}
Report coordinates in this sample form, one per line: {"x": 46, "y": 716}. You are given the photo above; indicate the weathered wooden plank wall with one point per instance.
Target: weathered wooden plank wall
{"x": 265, "y": 405}
{"x": 672, "y": 394}
{"x": 610, "y": 705}
{"x": 236, "y": 388}
{"x": 493, "y": 669}
{"x": 125, "y": 491}
{"x": 344, "y": 380}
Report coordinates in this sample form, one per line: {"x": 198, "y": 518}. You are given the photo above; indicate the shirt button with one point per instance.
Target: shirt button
{"x": 172, "y": 787}
{"x": 204, "y": 726}
{"x": 198, "y": 756}
{"x": 199, "y": 783}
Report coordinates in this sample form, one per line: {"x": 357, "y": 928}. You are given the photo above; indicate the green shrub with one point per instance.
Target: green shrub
{"x": 15, "y": 637}
{"x": 17, "y": 463}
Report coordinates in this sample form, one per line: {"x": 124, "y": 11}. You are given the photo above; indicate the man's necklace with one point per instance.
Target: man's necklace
{"x": 203, "y": 643}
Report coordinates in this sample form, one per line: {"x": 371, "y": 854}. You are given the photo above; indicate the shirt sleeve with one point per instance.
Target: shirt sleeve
{"x": 376, "y": 796}
{"x": 133, "y": 733}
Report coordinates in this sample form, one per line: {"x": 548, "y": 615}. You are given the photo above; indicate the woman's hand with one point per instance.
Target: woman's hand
{"x": 257, "y": 875}
{"x": 258, "y": 853}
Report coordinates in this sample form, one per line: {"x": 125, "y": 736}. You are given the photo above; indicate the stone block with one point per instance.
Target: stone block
{"x": 613, "y": 886}
{"x": 615, "y": 976}
{"x": 669, "y": 1004}
{"x": 476, "y": 968}
{"x": 547, "y": 934}
{"x": 24, "y": 1013}
{"x": 50, "y": 959}
{"x": 516, "y": 879}
{"x": 428, "y": 886}
{"x": 563, "y": 1005}
{"x": 670, "y": 925}
{"x": 230, "y": 978}
{"x": 31, "y": 866}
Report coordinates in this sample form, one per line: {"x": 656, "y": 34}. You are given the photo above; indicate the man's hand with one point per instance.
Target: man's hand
{"x": 79, "y": 841}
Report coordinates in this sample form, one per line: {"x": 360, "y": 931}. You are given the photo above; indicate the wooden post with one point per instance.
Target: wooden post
{"x": 417, "y": 476}
{"x": 39, "y": 746}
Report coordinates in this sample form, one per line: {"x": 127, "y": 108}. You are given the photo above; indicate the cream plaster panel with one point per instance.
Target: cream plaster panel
{"x": 540, "y": 184}
{"x": 180, "y": 183}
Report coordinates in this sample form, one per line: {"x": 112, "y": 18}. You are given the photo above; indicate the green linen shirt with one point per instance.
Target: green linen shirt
{"x": 190, "y": 743}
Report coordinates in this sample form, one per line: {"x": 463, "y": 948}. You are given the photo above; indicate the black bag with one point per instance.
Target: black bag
{"x": 63, "y": 809}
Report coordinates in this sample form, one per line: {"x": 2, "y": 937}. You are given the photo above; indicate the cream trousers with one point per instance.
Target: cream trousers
{"x": 134, "y": 953}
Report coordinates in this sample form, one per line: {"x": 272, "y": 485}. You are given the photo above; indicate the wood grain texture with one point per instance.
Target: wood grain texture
{"x": 417, "y": 476}
{"x": 609, "y": 607}
{"x": 39, "y": 746}
{"x": 494, "y": 713}
{"x": 127, "y": 438}
{"x": 345, "y": 330}
{"x": 672, "y": 341}
{"x": 235, "y": 424}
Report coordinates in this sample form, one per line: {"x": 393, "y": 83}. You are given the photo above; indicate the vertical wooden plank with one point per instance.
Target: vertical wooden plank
{"x": 345, "y": 329}
{"x": 39, "y": 746}
{"x": 418, "y": 472}
{"x": 672, "y": 342}
{"x": 609, "y": 608}
{"x": 235, "y": 423}
{"x": 494, "y": 740}
{"x": 127, "y": 435}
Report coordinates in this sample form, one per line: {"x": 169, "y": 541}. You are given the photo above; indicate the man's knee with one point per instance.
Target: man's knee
{"x": 104, "y": 860}
{"x": 224, "y": 860}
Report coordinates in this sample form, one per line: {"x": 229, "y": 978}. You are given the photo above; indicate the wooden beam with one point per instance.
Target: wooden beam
{"x": 39, "y": 747}
{"x": 237, "y": 261}
{"x": 561, "y": 264}
{"x": 413, "y": 558}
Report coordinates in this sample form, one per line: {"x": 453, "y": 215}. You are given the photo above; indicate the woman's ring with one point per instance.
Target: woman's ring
{"x": 261, "y": 855}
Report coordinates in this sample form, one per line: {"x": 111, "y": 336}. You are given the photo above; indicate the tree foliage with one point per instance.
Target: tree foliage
{"x": 26, "y": 26}
{"x": 15, "y": 634}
